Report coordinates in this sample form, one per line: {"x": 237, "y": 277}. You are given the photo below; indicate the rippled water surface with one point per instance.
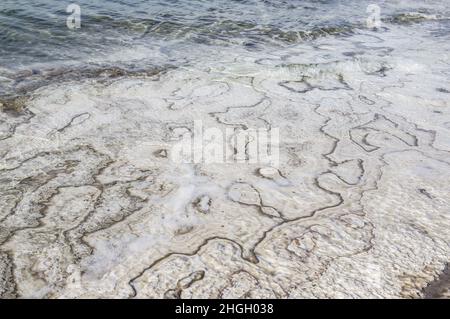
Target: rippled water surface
{"x": 36, "y": 32}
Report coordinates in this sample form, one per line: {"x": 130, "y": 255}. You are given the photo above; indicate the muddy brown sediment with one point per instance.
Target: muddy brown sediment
{"x": 440, "y": 287}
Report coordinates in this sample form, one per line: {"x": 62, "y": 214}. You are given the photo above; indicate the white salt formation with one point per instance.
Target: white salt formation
{"x": 93, "y": 206}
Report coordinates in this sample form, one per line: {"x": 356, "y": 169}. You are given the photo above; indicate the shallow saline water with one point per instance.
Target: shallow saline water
{"x": 93, "y": 202}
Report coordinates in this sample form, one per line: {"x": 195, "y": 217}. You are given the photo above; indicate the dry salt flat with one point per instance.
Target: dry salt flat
{"x": 92, "y": 205}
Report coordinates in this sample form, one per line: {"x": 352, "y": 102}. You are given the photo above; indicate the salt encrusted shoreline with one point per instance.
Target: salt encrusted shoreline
{"x": 92, "y": 205}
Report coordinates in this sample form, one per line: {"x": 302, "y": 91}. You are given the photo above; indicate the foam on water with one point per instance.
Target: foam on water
{"x": 155, "y": 33}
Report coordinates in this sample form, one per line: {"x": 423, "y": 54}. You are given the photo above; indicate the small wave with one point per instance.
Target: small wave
{"x": 414, "y": 17}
